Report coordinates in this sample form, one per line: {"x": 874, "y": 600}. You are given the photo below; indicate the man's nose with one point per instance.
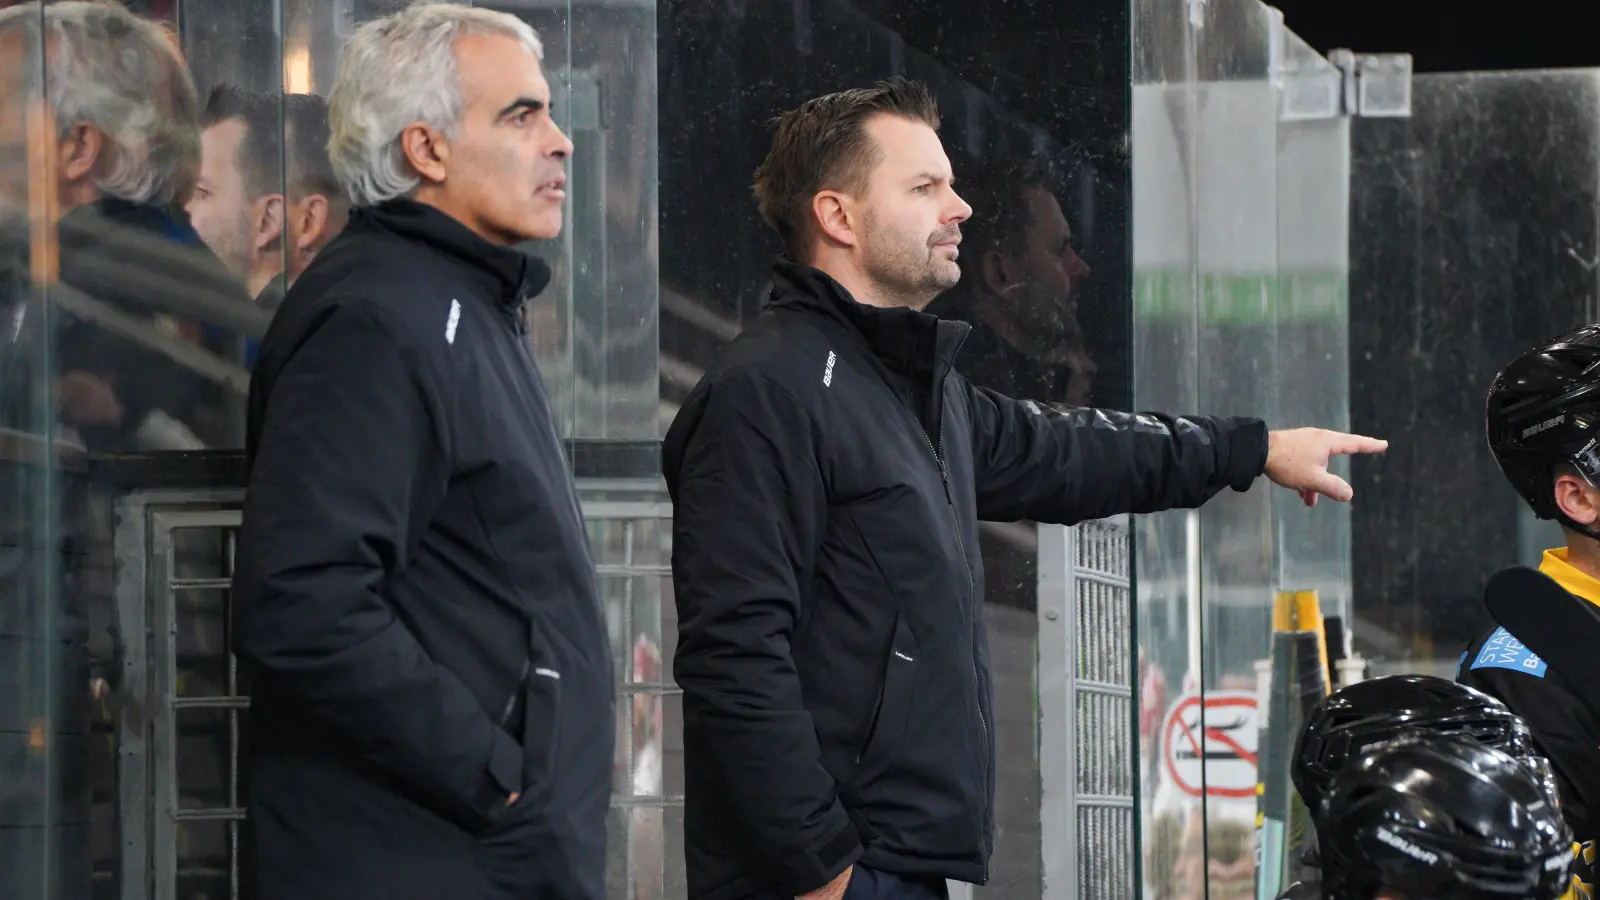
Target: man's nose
{"x": 1077, "y": 266}
{"x": 959, "y": 210}
{"x": 562, "y": 150}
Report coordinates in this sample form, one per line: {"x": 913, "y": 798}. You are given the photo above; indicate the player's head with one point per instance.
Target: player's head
{"x": 1543, "y": 423}
{"x": 1373, "y": 712}
{"x": 1441, "y": 817}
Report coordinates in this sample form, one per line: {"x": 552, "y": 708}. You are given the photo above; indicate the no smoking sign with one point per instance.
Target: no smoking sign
{"x": 1213, "y": 754}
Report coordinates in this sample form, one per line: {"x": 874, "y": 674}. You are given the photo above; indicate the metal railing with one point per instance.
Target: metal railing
{"x": 181, "y": 722}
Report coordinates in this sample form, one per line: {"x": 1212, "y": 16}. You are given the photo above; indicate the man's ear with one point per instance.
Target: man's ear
{"x": 837, "y": 217}
{"x": 313, "y": 215}
{"x": 266, "y": 221}
{"x": 1577, "y": 499}
{"x": 80, "y": 152}
{"x": 998, "y": 273}
{"x": 427, "y": 150}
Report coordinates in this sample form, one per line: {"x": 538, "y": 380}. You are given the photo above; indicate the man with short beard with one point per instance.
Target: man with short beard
{"x": 828, "y": 476}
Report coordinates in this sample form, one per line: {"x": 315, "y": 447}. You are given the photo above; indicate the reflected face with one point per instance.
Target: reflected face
{"x": 1050, "y": 268}
{"x": 219, "y": 209}
{"x": 507, "y": 166}
{"x": 912, "y": 215}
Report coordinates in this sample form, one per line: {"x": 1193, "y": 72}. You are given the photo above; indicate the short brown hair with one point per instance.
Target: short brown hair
{"x": 823, "y": 145}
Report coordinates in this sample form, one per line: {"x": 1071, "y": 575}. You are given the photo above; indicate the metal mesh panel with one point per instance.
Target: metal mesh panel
{"x": 1107, "y": 871}
{"x": 1087, "y": 751}
{"x": 1105, "y": 755}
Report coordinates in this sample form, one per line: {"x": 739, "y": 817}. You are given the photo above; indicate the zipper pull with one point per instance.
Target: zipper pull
{"x": 519, "y": 315}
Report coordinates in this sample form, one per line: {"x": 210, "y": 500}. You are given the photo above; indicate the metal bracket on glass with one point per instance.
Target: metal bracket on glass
{"x": 1312, "y": 89}
{"x": 1376, "y": 85}
{"x": 1385, "y": 80}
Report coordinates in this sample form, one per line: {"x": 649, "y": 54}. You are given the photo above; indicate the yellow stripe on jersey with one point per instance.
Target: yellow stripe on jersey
{"x": 1572, "y": 579}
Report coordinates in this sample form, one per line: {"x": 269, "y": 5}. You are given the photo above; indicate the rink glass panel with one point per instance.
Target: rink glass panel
{"x": 1239, "y": 286}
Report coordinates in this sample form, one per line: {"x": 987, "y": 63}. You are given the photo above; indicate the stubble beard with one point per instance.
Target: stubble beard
{"x": 906, "y": 271}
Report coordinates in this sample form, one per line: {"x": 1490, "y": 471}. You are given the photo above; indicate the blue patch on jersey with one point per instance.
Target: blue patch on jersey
{"x": 1460, "y": 661}
{"x": 1502, "y": 651}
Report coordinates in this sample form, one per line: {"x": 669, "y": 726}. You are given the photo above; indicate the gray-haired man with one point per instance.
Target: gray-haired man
{"x": 433, "y": 707}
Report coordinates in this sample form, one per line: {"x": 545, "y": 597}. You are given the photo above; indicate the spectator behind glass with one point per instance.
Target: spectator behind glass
{"x": 254, "y": 189}
{"x": 134, "y": 281}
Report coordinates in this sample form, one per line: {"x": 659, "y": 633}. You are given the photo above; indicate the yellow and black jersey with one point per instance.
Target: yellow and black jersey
{"x": 1565, "y": 728}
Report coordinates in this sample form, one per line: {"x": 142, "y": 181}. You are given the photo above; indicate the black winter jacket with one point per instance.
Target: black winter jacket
{"x": 415, "y": 593}
{"x": 827, "y": 479}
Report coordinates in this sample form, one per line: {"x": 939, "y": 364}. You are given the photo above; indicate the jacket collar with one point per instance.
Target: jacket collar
{"x": 508, "y": 274}
{"x": 906, "y": 339}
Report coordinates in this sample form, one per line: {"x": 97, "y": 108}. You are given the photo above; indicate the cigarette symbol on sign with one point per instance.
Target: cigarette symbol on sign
{"x": 1211, "y": 750}
{"x": 1220, "y": 734}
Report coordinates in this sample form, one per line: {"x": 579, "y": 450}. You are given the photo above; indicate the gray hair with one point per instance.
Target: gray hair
{"x": 395, "y": 71}
{"x": 121, "y": 74}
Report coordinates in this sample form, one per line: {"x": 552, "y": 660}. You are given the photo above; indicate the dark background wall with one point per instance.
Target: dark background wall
{"x": 1472, "y": 238}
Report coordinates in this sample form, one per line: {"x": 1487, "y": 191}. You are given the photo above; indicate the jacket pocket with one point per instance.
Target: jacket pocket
{"x": 886, "y": 727}
{"x": 541, "y": 731}
{"x": 533, "y": 716}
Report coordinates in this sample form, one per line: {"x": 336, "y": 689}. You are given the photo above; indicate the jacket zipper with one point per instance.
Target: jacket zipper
{"x": 519, "y": 325}
{"x": 972, "y": 588}
{"x": 511, "y": 701}
{"x": 872, "y": 723}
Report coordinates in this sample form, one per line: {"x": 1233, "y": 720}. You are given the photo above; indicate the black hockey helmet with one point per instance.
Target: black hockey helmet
{"x": 1544, "y": 410}
{"x": 1442, "y": 818}
{"x": 1378, "y": 710}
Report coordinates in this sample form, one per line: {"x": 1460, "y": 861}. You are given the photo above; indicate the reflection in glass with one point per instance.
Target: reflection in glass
{"x": 1165, "y": 376}
{"x": 148, "y": 317}
{"x": 1239, "y": 311}
{"x": 1236, "y": 187}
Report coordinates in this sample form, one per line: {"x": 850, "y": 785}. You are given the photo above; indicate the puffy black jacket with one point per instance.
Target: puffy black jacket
{"x": 828, "y": 477}
{"x": 415, "y": 593}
